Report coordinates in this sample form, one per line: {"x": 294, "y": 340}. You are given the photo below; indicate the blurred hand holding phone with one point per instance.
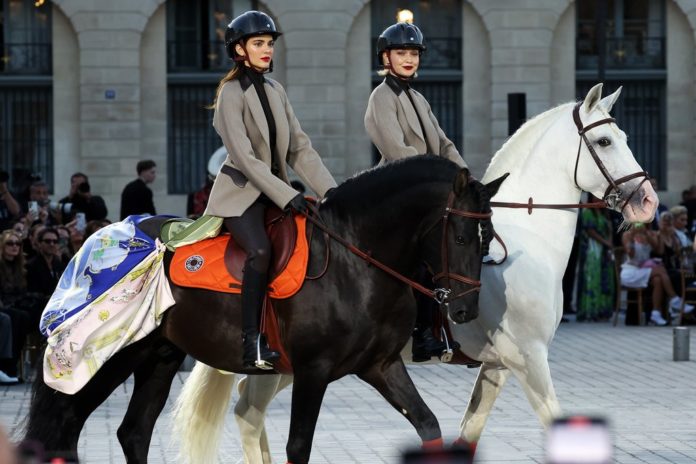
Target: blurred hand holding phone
{"x": 33, "y": 210}
{"x": 80, "y": 222}
{"x": 579, "y": 440}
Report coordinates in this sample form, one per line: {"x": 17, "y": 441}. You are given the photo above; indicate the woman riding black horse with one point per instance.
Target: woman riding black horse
{"x": 353, "y": 320}
{"x": 261, "y": 133}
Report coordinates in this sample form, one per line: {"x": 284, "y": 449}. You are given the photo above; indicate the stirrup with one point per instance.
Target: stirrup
{"x": 261, "y": 363}
{"x": 447, "y": 355}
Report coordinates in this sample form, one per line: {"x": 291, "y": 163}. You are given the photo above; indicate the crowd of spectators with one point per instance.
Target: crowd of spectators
{"x": 37, "y": 240}
{"x": 652, "y": 257}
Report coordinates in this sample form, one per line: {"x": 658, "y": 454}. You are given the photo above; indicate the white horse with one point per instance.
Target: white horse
{"x": 521, "y": 300}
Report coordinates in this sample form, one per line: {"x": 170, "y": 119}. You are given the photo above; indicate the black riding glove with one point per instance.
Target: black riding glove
{"x": 298, "y": 203}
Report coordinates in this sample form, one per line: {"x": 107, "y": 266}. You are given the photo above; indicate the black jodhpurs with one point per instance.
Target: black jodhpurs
{"x": 249, "y": 232}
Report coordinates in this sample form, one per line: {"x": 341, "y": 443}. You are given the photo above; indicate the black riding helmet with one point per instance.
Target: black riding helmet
{"x": 399, "y": 35}
{"x": 246, "y": 25}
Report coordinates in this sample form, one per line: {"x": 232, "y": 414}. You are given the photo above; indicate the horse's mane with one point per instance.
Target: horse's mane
{"x": 517, "y": 148}
{"x": 372, "y": 185}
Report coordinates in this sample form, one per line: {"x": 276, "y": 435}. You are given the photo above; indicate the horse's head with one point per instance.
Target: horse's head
{"x": 455, "y": 249}
{"x": 605, "y": 166}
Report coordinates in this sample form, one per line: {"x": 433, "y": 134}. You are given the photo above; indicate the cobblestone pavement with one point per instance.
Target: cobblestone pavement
{"x": 624, "y": 373}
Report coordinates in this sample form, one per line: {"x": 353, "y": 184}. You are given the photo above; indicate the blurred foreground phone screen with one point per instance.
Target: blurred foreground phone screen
{"x": 579, "y": 440}
{"x": 453, "y": 455}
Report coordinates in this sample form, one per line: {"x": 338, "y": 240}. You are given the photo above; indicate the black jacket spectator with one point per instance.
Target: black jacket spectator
{"x": 83, "y": 201}
{"x": 136, "y": 197}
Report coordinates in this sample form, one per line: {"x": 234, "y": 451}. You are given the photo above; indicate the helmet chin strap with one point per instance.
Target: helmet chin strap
{"x": 393, "y": 71}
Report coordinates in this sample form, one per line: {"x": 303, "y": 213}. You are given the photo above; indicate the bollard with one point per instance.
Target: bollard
{"x": 680, "y": 344}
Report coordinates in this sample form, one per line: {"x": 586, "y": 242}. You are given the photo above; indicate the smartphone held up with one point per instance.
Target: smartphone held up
{"x": 579, "y": 440}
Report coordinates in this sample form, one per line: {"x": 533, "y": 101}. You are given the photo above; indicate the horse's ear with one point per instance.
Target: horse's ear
{"x": 593, "y": 97}
{"x": 493, "y": 186}
{"x": 608, "y": 102}
{"x": 461, "y": 181}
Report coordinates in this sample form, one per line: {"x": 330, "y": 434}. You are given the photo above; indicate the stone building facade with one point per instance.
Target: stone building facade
{"x": 110, "y": 106}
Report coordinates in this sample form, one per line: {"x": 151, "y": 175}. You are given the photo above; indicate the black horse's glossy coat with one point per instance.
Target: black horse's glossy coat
{"x": 354, "y": 320}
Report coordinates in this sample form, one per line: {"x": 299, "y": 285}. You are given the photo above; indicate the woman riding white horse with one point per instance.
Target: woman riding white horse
{"x": 521, "y": 300}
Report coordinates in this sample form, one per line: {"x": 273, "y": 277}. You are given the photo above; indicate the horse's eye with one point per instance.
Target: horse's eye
{"x": 460, "y": 240}
{"x": 604, "y": 142}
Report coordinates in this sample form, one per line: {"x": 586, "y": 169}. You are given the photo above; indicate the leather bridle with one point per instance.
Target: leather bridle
{"x": 442, "y": 294}
{"x": 613, "y": 195}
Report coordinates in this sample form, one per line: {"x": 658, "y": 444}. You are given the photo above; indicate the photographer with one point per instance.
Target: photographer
{"x": 81, "y": 200}
{"x": 9, "y": 208}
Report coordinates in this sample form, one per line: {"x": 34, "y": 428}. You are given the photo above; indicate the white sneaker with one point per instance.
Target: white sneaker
{"x": 7, "y": 380}
{"x": 656, "y": 318}
{"x": 675, "y": 305}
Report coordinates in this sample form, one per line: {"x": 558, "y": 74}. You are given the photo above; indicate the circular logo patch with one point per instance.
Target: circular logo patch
{"x": 194, "y": 263}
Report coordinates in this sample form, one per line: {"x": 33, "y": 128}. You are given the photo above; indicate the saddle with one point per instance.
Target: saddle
{"x": 216, "y": 264}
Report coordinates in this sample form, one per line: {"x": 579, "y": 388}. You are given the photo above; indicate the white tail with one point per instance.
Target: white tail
{"x": 199, "y": 414}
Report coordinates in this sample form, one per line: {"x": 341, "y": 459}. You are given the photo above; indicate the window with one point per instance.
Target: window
{"x": 26, "y": 122}
{"x": 196, "y": 61}
{"x": 622, "y": 42}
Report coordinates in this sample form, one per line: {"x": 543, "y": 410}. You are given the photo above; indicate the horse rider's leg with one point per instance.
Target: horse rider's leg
{"x": 395, "y": 385}
{"x": 489, "y": 383}
{"x": 308, "y": 392}
{"x": 255, "y": 394}
{"x": 153, "y": 380}
{"x": 529, "y": 364}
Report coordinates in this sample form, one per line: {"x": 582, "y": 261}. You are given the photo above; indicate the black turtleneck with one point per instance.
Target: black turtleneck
{"x": 257, "y": 81}
{"x": 402, "y": 85}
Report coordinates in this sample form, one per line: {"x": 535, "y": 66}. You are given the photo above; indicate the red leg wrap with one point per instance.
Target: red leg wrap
{"x": 461, "y": 442}
{"x": 437, "y": 443}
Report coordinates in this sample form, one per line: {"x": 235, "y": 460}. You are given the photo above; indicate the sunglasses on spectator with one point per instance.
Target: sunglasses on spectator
{"x": 12, "y": 243}
{"x": 50, "y": 241}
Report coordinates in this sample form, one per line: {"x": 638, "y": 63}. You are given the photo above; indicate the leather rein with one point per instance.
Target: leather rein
{"x": 612, "y": 196}
{"x": 441, "y": 294}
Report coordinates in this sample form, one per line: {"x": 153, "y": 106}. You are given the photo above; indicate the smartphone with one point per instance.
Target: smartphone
{"x": 452, "y": 455}
{"x": 80, "y": 222}
{"x": 34, "y": 210}
{"x": 579, "y": 440}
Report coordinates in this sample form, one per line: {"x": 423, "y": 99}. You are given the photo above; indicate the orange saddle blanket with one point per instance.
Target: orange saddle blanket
{"x": 216, "y": 264}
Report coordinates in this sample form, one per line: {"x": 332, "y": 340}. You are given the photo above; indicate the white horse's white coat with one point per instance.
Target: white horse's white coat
{"x": 521, "y": 300}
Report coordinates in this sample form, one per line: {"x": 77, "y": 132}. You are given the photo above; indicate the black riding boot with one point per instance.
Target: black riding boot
{"x": 256, "y": 351}
{"x": 425, "y": 345}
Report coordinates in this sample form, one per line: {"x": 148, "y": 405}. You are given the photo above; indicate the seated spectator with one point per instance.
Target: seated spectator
{"x": 12, "y": 294}
{"x": 93, "y": 226}
{"x": 596, "y": 281}
{"x": 31, "y": 243}
{"x": 668, "y": 243}
{"x": 38, "y": 192}
{"x": 641, "y": 271}
{"x": 82, "y": 200}
{"x": 45, "y": 269}
{"x": 6, "y": 352}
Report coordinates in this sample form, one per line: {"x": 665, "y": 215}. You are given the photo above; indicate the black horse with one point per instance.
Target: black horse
{"x": 354, "y": 320}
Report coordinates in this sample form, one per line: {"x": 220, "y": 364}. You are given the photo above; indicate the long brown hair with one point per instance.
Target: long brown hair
{"x": 12, "y": 273}
{"x": 232, "y": 74}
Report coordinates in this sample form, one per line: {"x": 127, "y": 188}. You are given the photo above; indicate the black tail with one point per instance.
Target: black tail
{"x": 55, "y": 419}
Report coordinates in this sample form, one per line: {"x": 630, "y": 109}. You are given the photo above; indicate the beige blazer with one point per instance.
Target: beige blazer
{"x": 393, "y": 126}
{"x": 246, "y": 173}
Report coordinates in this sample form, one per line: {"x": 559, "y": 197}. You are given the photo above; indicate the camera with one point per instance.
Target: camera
{"x": 62, "y": 208}
{"x": 4, "y": 177}
{"x": 84, "y": 187}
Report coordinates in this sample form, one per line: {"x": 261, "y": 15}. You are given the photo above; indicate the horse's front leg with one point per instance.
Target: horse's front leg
{"x": 530, "y": 366}
{"x": 396, "y": 386}
{"x": 489, "y": 383}
{"x": 153, "y": 380}
{"x": 255, "y": 394}
{"x": 307, "y": 395}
